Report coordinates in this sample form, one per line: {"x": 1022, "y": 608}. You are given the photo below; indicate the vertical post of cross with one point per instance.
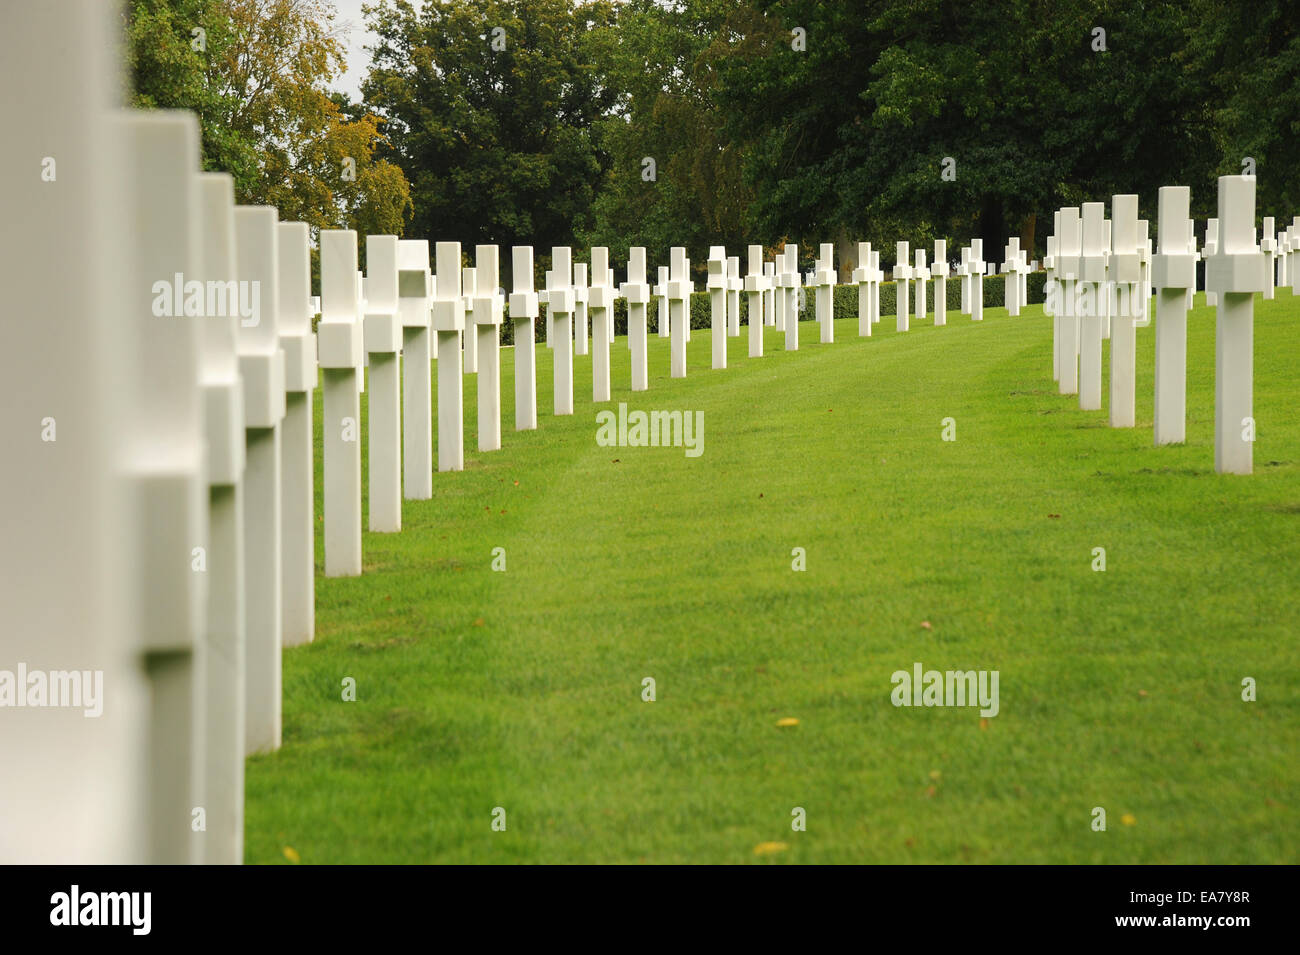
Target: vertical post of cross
{"x": 382, "y": 335}
{"x": 734, "y": 286}
{"x": 447, "y": 319}
{"x": 523, "y": 312}
{"x": 223, "y": 781}
{"x": 679, "y": 308}
{"x": 487, "y": 311}
{"x": 976, "y": 265}
{"x": 824, "y": 280}
{"x": 297, "y": 444}
{"x": 919, "y": 274}
{"x": 1069, "y": 245}
{"x": 1092, "y": 264}
{"x": 262, "y": 365}
{"x": 1125, "y": 270}
{"x": 791, "y": 284}
{"x": 861, "y": 278}
{"x": 939, "y": 272}
{"x": 1173, "y": 272}
{"x": 338, "y": 340}
{"x": 1235, "y": 272}
{"x": 902, "y": 275}
{"x": 755, "y": 288}
{"x": 717, "y": 286}
{"x": 637, "y": 294}
{"x": 413, "y": 280}
{"x": 600, "y": 298}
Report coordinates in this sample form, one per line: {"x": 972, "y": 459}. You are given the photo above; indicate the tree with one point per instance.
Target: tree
{"x": 257, "y": 77}
{"x": 490, "y": 109}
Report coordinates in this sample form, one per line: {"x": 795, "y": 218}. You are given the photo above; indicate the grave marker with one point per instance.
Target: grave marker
{"x": 1092, "y": 297}
{"x": 824, "y": 280}
{"x": 1173, "y": 272}
{"x": 414, "y": 284}
{"x": 601, "y": 301}
{"x": 297, "y": 444}
{"x": 382, "y": 336}
{"x": 1235, "y": 271}
{"x": 718, "y": 294}
{"x": 261, "y": 363}
{"x": 225, "y": 625}
{"x": 919, "y": 274}
{"x": 637, "y": 294}
{"x": 1069, "y": 245}
{"x": 523, "y": 312}
{"x": 447, "y": 320}
{"x": 560, "y": 305}
{"x": 756, "y": 285}
{"x": 1125, "y": 270}
{"x": 734, "y": 286}
{"x": 487, "y": 310}
{"x": 862, "y": 279}
{"x": 939, "y": 272}
{"x": 902, "y": 275}
{"x": 338, "y": 339}
{"x": 679, "y": 305}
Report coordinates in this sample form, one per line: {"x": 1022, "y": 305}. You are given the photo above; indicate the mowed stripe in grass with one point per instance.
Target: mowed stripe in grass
{"x": 523, "y": 689}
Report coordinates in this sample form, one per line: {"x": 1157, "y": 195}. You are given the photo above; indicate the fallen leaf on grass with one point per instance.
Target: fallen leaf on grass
{"x": 1128, "y": 819}
{"x": 768, "y": 848}
{"x": 291, "y": 854}
{"x": 787, "y": 721}
{"x": 926, "y": 625}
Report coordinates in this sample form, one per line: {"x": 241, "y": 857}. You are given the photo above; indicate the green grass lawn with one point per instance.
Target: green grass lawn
{"x": 522, "y": 690}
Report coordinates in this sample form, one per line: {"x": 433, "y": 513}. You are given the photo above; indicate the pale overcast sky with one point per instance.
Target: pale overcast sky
{"x": 355, "y": 36}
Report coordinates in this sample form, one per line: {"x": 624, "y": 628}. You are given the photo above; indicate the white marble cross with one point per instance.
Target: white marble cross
{"x": 661, "y": 300}
{"x": 1268, "y": 245}
{"x": 487, "y": 312}
{"x": 1069, "y": 245}
{"x": 756, "y": 286}
{"x": 939, "y": 272}
{"x": 1173, "y": 272}
{"x": 734, "y": 286}
{"x": 226, "y": 627}
{"x": 262, "y": 365}
{"x": 792, "y": 286}
{"x": 862, "y": 279}
{"x": 339, "y": 342}
{"x": 163, "y": 460}
{"x": 560, "y": 305}
{"x": 718, "y": 294}
{"x": 920, "y": 273}
{"x": 1211, "y": 249}
{"x": 1125, "y": 270}
{"x": 580, "y": 296}
{"x": 976, "y": 265}
{"x": 902, "y": 275}
{"x": 1092, "y": 297}
{"x": 824, "y": 281}
{"x": 447, "y": 319}
{"x": 769, "y": 294}
{"x": 637, "y": 293}
{"x": 414, "y": 282}
{"x": 679, "y": 290}
{"x": 1235, "y": 271}
{"x": 963, "y": 270}
{"x": 1012, "y": 267}
{"x": 382, "y": 335}
{"x": 523, "y": 312}
{"x": 297, "y": 446}
{"x": 600, "y": 298}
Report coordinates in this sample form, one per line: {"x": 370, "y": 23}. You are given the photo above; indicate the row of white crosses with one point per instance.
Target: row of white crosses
{"x": 165, "y": 529}
{"x": 159, "y": 553}
{"x": 1099, "y": 270}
